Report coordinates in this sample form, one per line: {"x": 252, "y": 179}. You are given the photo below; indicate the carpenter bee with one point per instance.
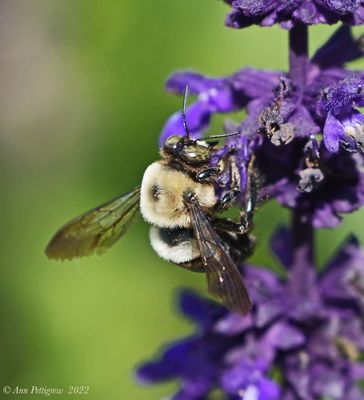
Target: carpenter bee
{"x": 178, "y": 196}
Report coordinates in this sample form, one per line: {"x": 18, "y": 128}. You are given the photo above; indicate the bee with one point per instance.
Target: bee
{"x": 178, "y": 197}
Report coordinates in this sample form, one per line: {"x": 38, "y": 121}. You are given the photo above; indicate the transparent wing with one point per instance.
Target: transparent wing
{"x": 96, "y": 230}
{"x": 223, "y": 278}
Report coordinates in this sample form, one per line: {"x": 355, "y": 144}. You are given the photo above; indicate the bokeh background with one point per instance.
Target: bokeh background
{"x": 81, "y": 106}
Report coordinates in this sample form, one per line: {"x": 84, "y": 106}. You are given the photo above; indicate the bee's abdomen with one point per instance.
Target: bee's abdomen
{"x": 176, "y": 245}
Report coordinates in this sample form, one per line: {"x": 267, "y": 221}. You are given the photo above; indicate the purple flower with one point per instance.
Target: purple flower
{"x": 328, "y": 88}
{"x": 272, "y": 100}
{"x": 215, "y": 95}
{"x": 344, "y": 123}
{"x": 320, "y": 187}
{"x": 300, "y": 144}
{"x": 268, "y": 12}
{"x": 209, "y": 359}
{"x": 287, "y": 115}
{"x": 307, "y": 329}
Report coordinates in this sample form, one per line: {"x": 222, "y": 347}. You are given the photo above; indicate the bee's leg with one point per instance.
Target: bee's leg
{"x": 208, "y": 174}
{"x": 240, "y": 246}
{"x": 239, "y": 242}
{"x": 235, "y": 174}
{"x": 212, "y": 173}
{"x": 228, "y": 199}
{"x": 250, "y": 198}
{"x": 232, "y": 196}
{"x": 246, "y": 221}
{"x": 229, "y": 226}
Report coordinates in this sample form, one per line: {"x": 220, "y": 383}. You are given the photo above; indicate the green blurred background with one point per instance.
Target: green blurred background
{"x": 81, "y": 106}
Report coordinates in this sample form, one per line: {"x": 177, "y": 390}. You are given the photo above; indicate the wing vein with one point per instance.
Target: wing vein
{"x": 96, "y": 230}
{"x": 223, "y": 277}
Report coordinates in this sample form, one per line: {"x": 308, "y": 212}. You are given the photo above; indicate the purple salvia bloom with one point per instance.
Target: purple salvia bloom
{"x": 344, "y": 123}
{"x": 312, "y": 335}
{"x": 288, "y": 13}
{"x": 302, "y": 138}
{"x": 273, "y": 93}
{"x": 334, "y": 186}
{"x": 328, "y": 84}
{"x": 289, "y": 116}
{"x": 215, "y": 95}
{"x": 204, "y": 360}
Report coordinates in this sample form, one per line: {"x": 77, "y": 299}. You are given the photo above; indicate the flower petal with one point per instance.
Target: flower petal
{"x": 197, "y": 83}
{"x": 285, "y": 336}
{"x": 339, "y": 49}
{"x": 281, "y": 244}
{"x": 199, "y": 309}
{"x": 333, "y": 132}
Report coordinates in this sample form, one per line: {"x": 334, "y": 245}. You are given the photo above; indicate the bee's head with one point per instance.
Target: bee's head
{"x": 193, "y": 152}
{"x": 174, "y": 145}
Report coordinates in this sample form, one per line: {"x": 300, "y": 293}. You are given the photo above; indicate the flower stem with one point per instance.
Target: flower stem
{"x": 302, "y": 274}
{"x": 302, "y": 231}
{"x": 298, "y": 56}
{"x": 302, "y": 241}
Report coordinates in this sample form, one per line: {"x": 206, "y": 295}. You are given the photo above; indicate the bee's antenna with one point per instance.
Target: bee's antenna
{"x": 222, "y": 135}
{"x": 184, "y": 121}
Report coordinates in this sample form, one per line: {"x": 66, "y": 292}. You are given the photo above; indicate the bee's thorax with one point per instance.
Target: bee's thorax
{"x": 162, "y": 196}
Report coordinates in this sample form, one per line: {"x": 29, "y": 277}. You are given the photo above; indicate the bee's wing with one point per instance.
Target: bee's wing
{"x": 223, "y": 278}
{"x": 96, "y": 230}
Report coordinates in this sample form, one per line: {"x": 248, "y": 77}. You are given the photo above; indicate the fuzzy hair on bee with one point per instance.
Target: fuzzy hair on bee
{"x": 175, "y": 245}
{"x": 161, "y": 196}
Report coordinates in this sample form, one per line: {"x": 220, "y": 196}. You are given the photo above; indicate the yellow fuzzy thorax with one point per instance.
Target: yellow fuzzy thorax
{"x": 161, "y": 201}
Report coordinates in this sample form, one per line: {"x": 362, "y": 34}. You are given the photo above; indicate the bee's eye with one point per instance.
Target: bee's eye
{"x": 173, "y": 144}
{"x": 195, "y": 154}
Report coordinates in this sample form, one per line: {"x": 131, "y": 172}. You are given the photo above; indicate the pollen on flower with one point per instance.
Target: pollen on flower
{"x": 357, "y": 133}
{"x": 309, "y": 179}
{"x": 271, "y": 120}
